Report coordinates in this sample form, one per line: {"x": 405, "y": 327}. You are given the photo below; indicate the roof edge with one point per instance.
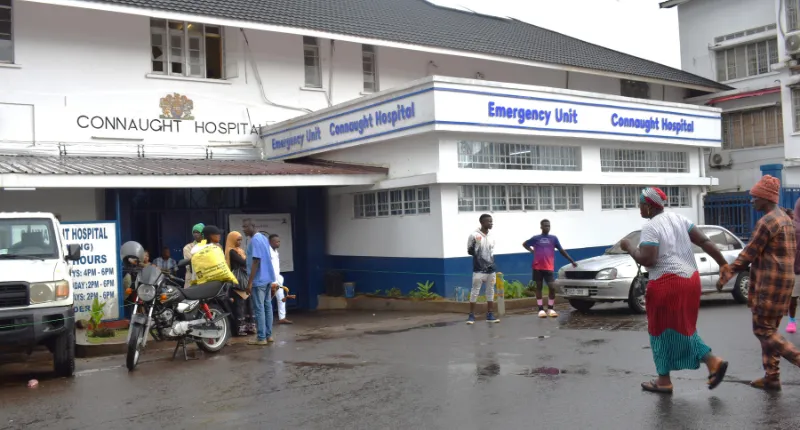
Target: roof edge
{"x": 672, "y": 3}
{"x": 251, "y": 25}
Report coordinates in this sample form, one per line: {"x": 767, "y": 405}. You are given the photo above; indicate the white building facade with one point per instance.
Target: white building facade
{"x": 162, "y": 116}
{"x": 750, "y": 45}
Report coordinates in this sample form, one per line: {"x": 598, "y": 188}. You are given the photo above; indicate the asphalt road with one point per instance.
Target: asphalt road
{"x": 576, "y": 372}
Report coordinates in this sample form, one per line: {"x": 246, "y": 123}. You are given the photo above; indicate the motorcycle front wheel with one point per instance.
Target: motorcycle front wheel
{"x": 135, "y": 339}
{"x": 215, "y": 345}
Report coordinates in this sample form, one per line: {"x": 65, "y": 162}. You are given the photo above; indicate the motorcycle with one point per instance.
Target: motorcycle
{"x": 198, "y": 314}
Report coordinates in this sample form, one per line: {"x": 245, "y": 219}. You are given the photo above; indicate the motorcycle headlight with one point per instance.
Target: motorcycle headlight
{"x": 43, "y": 292}
{"x": 606, "y": 275}
{"x": 146, "y": 292}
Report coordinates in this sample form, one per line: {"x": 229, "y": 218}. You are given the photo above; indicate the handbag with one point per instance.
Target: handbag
{"x": 241, "y": 278}
{"x": 641, "y": 281}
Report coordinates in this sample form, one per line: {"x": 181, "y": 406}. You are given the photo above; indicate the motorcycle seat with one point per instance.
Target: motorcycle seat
{"x": 202, "y": 291}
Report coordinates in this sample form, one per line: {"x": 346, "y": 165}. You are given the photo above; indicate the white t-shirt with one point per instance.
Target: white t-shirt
{"x": 670, "y": 233}
{"x": 276, "y": 265}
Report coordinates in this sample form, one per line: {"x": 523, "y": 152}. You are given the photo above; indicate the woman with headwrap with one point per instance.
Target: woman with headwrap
{"x": 197, "y": 234}
{"x": 673, "y": 291}
{"x": 242, "y": 309}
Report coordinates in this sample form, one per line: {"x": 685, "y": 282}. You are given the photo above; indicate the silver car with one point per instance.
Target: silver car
{"x": 610, "y": 277}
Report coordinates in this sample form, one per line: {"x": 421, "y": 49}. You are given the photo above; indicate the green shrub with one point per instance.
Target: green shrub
{"x": 423, "y": 292}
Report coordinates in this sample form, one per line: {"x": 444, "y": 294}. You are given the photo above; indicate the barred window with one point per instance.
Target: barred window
{"x": 752, "y": 128}
{"x": 517, "y": 156}
{"x": 742, "y": 61}
{"x": 627, "y": 196}
{"x": 406, "y": 201}
{"x": 507, "y": 198}
{"x": 634, "y": 160}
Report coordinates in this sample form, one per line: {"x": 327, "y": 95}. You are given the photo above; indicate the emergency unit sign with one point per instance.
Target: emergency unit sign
{"x": 95, "y": 274}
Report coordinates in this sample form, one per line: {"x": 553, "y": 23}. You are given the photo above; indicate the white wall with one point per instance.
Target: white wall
{"x": 72, "y": 204}
{"x": 404, "y": 157}
{"x": 573, "y": 228}
{"x": 78, "y": 61}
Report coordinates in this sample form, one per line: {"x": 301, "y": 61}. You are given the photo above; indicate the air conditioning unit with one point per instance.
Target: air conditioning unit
{"x": 792, "y": 41}
{"x": 719, "y": 159}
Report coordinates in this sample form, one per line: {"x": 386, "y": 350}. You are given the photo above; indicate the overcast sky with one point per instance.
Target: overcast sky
{"x": 636, "y": 27}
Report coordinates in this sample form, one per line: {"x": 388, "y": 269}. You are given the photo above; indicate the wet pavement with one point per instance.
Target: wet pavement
{"x": 579, "y": 371}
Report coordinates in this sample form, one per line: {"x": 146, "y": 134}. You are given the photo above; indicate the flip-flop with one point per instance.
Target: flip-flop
{"x": 653, "y": 387}
{"x": 715, "y": 378}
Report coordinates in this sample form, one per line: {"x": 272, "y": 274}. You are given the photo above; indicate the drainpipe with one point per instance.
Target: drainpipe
{"x": 330, "y": 77}
{"x": 703, "y": 189}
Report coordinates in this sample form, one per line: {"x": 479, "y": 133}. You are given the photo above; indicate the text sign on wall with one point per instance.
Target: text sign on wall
{"x": 95, "y": 274}
{"x": 280, "y": 224}
{"x": 533, "y": 112}
{"x": 353, "y": 124}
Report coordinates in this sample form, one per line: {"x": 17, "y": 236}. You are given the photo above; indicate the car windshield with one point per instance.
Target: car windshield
{"x": 27, "y": 238}
{"x": 633, "y": 237}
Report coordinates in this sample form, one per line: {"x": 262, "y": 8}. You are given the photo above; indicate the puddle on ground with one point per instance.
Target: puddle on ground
{"x": 593, "y": 342}
{"x": 540, "y": 371}
{"x": 314, "y": 365}
{"x": 535, "y": 338}
{"x": 347, "y": 355}
{"x": 578, "y": 321}
{"x": 432, "y": 325}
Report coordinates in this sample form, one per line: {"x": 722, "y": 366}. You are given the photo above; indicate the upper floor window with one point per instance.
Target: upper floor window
{"x": 312, "y": 64}
{"x": 753, "y": 128}
{"x": 796, "y": 108}
{"x": 6, "y": 35}
{"x": 746, "y": 60}
{"x": 187, "y": 49}
{"x": 370, "y": 68}
{"x": 517, "y": 156}
{"x": 793, "y": 15}
{"x": 635, "y": 89}
{"x": 635, "y": 160}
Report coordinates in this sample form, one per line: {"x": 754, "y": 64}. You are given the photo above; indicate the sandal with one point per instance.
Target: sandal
{"x": 653, "y": 387}
{"x": 766, "y": 384}
{"x": 714, "y": 379}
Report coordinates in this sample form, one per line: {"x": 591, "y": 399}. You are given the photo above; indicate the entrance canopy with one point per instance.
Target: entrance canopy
{"x": 106, "y": 172}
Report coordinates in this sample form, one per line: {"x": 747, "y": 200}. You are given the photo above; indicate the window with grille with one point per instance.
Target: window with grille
{"x": 405, "y": 201}
{"x": 517, "y": 156}
{"x": 792, "y": 15}
{"x": 6, "y": 32}
{"x": 180, "y": 48}
{"x": 742, "y": 61}
{"x": 313, "y": 70}
{"x": 627, "y": 196}
{"x": 796, "y": 108}
{"x": 369, "y": 68}
{"x": 636, "y": 89}
{"x": 635, "y": 160}
{"x": 509, "y": 198}
{"x": 753, "y": 128}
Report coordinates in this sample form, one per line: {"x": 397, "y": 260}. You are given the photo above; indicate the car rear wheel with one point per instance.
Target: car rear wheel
{"x": 741, "y": 288}
{"x": 636, "y": 299}
{"x": 581, "y": 305}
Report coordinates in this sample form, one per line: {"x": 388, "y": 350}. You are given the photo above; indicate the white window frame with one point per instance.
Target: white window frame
{"x": 796, "y": 108}
{"x": 390, "y": 203}
{"x": 166, "y": 33}
{"x": 518, "y": 156}
{"x": 737, "y": 135}
{"x": 10, "y": 8}
{"x": 792, "y": 15}
{"x": 625, "y": 197}
{"x": 311, "y": 51}
{"x": 758, "y": 58}
{"x": 519, "y": 198}
{"x": 618, "y": 160}
{"x": 369, "y": 59}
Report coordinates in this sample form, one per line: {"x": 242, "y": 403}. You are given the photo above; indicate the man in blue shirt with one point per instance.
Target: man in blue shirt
{"x": 262, "y": 278}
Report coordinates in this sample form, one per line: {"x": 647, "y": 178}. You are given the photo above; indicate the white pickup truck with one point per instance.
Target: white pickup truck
{"x": 36, "y": 305}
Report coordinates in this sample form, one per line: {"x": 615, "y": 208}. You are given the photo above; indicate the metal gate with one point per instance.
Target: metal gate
{"x": 735, "y": 212}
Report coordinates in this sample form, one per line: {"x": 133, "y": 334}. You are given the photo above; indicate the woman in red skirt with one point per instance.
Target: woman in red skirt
{"x": 673, "y": 291}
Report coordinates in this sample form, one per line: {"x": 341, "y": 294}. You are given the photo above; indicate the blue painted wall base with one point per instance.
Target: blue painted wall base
{"x": 383, "y": 273}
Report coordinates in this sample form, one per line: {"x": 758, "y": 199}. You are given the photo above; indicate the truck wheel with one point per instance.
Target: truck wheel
{"x": 636, "y": 300}
{"x": 581, "y": 305}
{"x": 741, "y": 287}
{"x": 64, "y": 354}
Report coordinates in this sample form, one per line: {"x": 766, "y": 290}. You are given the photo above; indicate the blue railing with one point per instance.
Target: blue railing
{"x": 735, "y": 212}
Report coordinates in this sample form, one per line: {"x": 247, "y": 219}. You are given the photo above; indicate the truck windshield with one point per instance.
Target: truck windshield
{"x": 22, "y": 238}
{"x": 633, "y": 237}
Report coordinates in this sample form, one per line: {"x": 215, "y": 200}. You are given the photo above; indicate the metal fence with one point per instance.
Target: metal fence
{"x": 735, "y": 212}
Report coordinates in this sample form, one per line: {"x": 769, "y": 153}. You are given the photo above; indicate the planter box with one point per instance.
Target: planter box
{"x": 367, "y": 303}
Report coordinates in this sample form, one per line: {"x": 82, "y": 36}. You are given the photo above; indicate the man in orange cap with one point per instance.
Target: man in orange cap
{"x": 770, "y": 255}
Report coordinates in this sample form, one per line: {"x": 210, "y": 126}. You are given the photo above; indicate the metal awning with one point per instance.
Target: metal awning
{"x": 22, "y": 171}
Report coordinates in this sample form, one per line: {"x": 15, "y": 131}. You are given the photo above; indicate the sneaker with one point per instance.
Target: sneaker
{"x": 552, "y": 313}
{"x": 791, "y": 327}
{"x": 471, "y": 319}
{"x": 257, "y": 342}
{"x": 542, "y": 314}
{"x": 490, "y": 318}
{"x": 270, "y": 339}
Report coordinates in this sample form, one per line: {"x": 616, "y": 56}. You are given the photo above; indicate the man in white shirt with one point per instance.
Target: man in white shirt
{"x": 280, "y": 293}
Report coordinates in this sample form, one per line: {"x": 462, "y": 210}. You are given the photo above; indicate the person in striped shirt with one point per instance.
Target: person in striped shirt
{"x": 673, "y": 291}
